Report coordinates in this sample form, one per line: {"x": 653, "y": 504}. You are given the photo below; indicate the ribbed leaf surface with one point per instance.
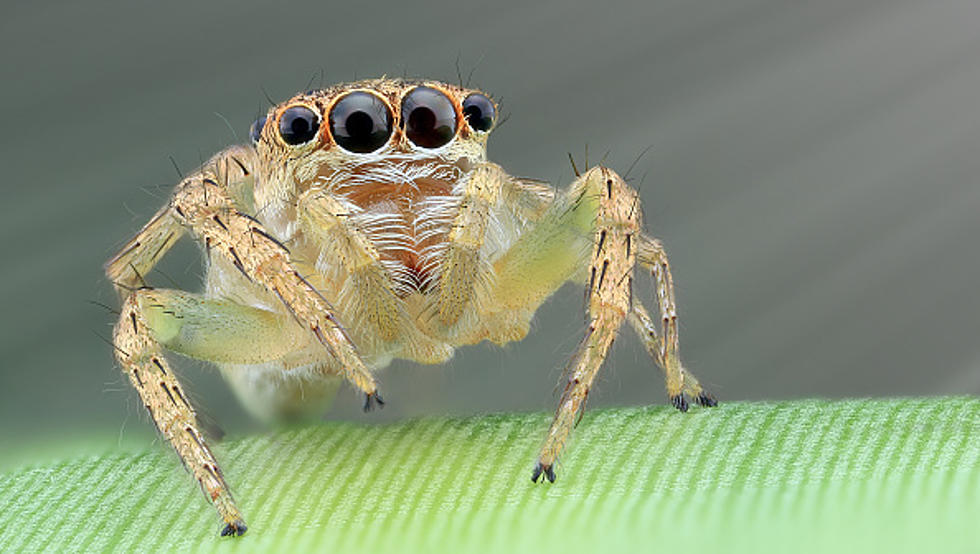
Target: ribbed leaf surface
{"x": 811, "y": 476}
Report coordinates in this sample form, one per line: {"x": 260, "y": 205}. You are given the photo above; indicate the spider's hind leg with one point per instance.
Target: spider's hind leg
{"x": 682, "y": 385}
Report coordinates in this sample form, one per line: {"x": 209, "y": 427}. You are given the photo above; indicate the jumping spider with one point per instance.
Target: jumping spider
{"x": 364, "y": 223}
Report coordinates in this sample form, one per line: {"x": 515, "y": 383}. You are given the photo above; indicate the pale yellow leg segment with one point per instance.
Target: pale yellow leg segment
{"x": 652, "y": 256}
{"x": 554, "y": 250}
{"x": 221, "y": 331}
{"x": 241, "y": 339}
{"x": 529, "y": 198}
{"x": 680, "y": 381}
{"x": 142, "y": 360}
{"x": 616, "y": 225}
{"x": 367, "y": 285}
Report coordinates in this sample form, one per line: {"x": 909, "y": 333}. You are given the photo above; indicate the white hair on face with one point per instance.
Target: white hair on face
{"x": 398, "y": 234}
{"x": 403, "y": 169}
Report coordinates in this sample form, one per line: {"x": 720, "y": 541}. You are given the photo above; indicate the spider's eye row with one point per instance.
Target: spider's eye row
{"x": 428, "y": 117}
{"x": 298, "y": 125}
{"x": 360, "y": 122}
{"x": 479, "y": 112}
{"x": 255, "y": 131}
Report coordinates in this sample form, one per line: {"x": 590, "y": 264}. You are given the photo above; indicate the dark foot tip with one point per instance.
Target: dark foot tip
{"x": 236, "y": 528}
{"x": 679, "y": 401}
{"x": 707, "y": 400}
{"x": 548, "y": 471}
{"x": 373, "y": 400}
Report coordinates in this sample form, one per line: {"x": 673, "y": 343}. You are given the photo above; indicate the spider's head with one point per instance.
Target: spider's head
{"x": 369, "y": 127}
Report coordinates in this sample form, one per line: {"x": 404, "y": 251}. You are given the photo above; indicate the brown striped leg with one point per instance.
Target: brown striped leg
{"x": 142, "y": 360}
{"x": 610, "y": 280}
{"x": 652, "y": 256}
{"x": 138, "y": 256}
{"x": 682, "y": 385}
{"x": 205, "y": 205}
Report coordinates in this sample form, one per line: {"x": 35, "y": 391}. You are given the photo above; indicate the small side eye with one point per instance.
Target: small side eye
{"x": 255, "y": 131}
{"x": 428, "y": 117}
{"x": 360, "y": 122}
{"x": 479, "y": 112}
{"x": 298, "y": 125}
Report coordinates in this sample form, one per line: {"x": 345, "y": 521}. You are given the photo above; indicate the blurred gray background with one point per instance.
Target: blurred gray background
{"x": 813, "y": 169}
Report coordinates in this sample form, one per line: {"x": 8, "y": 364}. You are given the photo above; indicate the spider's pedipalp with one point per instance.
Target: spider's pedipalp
{"x": 462, "y": 267}
{"x": 353, "y": 261}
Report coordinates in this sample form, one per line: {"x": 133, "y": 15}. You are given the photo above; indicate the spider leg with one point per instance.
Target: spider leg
{"x": 138, "y": 256}
{"x": 218, "y": 331}
{"x": 222, "y": 331}
{"x": 615, "y": 225}
{"x": 528, "y": 198}
{"x": 652, "y": 256}
{"x": 206, "y": 203}
{"x": 206, "y": 207}
{"x": 142, "y": 360}
{"x": 278, "y": 371}
{"x": 681, "y": 383}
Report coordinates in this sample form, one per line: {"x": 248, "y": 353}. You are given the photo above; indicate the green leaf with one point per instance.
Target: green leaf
{"x": 809, "y": 476}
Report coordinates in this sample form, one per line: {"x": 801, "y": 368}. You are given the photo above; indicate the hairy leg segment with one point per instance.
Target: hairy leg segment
{"x": 206, "y": 205}
{"x": 141, "y": 358}
{"x": 611, "y": 211}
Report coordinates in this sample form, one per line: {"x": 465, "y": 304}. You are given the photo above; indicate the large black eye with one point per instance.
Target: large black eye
{"x": 298, "y": 125}
{"x": 479, "y": 112}
{"x": 428, "y": 117}
{"x": 255, "y": 131}
{"x": 360, "y": 122}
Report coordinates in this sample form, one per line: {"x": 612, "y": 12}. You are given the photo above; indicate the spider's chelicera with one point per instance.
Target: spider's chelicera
{"x": 364, "y": 223}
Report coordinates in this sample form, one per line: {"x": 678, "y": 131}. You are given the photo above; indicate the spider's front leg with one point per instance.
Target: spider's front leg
{"x": 616, "y": 226}
{"x": 142, "y": 360}
{"x": 205, "y": 204}
{"x": 604, "y": 207}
